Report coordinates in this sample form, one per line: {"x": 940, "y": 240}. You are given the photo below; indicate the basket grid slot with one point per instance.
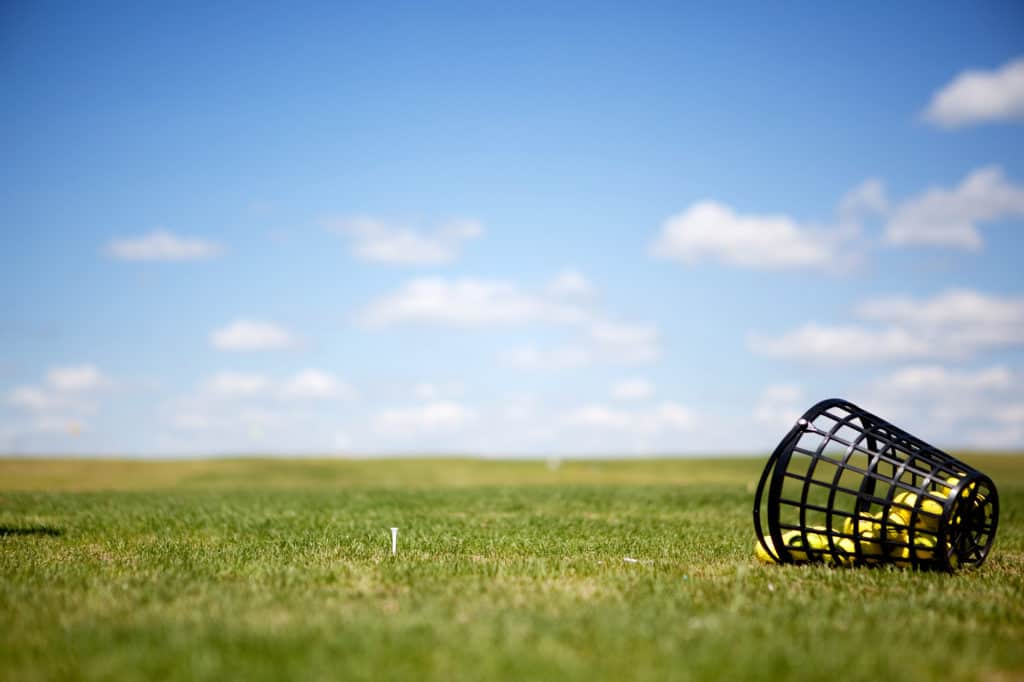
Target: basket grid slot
{"x": 826, "y": 485}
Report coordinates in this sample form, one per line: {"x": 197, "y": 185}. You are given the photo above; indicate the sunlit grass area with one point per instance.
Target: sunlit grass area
{"x": 613, "y": 570}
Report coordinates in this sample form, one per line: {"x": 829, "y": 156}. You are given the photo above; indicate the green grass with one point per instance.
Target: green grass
{"x": 269, "y": 570}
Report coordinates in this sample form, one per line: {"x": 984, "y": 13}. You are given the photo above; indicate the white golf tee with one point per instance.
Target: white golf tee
{"x": 394, "y": 541}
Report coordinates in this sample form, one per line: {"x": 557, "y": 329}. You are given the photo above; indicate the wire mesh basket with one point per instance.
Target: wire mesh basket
{"x": 848, "y": 488}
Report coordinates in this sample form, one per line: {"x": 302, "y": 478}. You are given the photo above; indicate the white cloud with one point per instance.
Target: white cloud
{"x": 780, "y": 406}
{"x": 252, "y": 335}
{"x": 231, "y": 412}
{"x": 559, "y": 357}
{"x": 32, "y": 398}
{"x": 667, "y": 416}
{"x": 253, "y": 415}
{"x": 432, "y": 392}
{"x": 709, "y": 230}
{"x": 380, "y": 242}
{"x": 473, "y": 303}
{"x": 75, "y": 378}
{"x": 625, "y": 343}
{"x": 955, "y": 407}
{"x": 426, "y": 391}
{"x": 603, "y": 341}
{"x": 950, "y": 217}
{"x": 674, "y": 416}
{"x": 466, "y": 303}
{"x": 1012, "y": 413}
{"x": 632, "y": 389}
{"x": 309, "y": 384}
{"x": 957, "y": 306}
{"x": 933, "y": 380}
{"x": 714, "y": 231}
{"x": 812, "y": 341}
{"x": 599, "y": 416}
{"x": 999, "y": 438}
{"x": 161, "y": 245}
{"x": 312, "y": 384}
{"x": 67, "y": 389}
{"x": 232, "y": 384}
{"x": 571, "y": 284}
{"x": 980, "y": 97}
{"x": 59, "y": 405}
{"x": 957, "y": 323}
{"x": 431, "y": 417}
{"x": 863, "y": 201}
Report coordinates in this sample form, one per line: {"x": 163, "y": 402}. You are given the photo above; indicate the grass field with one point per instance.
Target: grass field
{"x": 281, "y": 569}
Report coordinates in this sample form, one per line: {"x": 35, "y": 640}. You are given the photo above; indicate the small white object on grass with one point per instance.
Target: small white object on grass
{"x": 394, "y": 541}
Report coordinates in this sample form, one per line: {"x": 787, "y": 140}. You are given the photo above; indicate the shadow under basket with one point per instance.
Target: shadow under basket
{"x": 848, "y": 488}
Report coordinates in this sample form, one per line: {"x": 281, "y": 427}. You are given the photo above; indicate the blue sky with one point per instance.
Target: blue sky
{"x": 506, "y": 230}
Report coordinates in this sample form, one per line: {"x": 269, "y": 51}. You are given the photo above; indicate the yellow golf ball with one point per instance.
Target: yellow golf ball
{"x": 927, "y": 518}
{"x": 946, "y": 487}
{"x": 762, "y": 555}
{"x": 870, "y": 546}
{"x": 801, "y": 551}
{"x": 897, "y": 520}
{"x": 844, "y": 554}
{"x": 862, "y": 524}
{"x": 923, "y": 550}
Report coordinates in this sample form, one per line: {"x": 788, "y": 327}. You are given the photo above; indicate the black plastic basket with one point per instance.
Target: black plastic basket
{"x": 846, "y": 487}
